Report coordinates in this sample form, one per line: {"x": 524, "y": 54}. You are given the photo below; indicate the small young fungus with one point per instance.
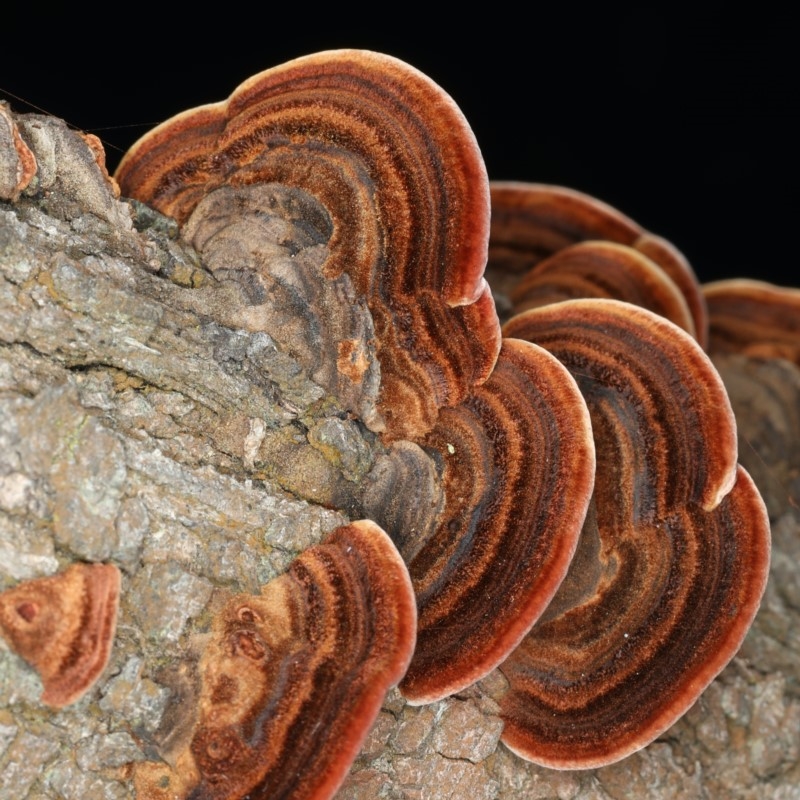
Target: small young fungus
{"x": 63, "y": 626}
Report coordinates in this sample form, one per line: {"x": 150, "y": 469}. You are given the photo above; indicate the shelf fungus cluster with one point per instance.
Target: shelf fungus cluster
{"x": 673, "y": 556}
{"x": 561, "y": 496}
{"x": 550, "y": 243}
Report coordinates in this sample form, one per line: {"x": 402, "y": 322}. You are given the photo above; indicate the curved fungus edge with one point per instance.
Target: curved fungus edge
{"x": 517, "y": 462}
{"x": 753, "y": 317}
{"x": 533, "y": 221}
{"x": 673, "y": 558}
{"x": 388, "y": 153}
{"x": 291, "y": 680}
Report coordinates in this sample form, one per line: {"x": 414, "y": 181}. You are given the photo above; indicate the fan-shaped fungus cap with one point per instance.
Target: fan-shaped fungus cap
{"x": 673, "y": 558}
{"x": 531, "y": 221}
{"x": 754, "y": 318}
{"x": 63, "y": 626}
{"x": 292, "y": 679}
{"x": 391, "y": 158}
{"x": 517, "y": 463}
{"x": 603, "y": 270}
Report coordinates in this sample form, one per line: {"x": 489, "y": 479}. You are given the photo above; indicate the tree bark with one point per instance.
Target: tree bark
{"x": 141, "y": 423}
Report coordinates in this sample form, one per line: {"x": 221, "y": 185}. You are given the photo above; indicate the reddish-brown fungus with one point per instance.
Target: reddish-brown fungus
{"x": 389, "y": 156}
{"x": 292, "y": 679}
{"x": 63, "y": 626}
{"x": 375, "y": 155}
{"x": 603, "y": 270}
{"x": 754, "y": 318}
{"x": 517, "y": 462}
{"x": 673, "y": 558}
{"x": 532, "y": 221}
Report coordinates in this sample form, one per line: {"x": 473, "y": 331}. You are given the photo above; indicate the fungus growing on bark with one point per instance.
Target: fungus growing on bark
{"x": 672, "y": 560}
{"x": 368, "y": 154}
{"x": 532, "y": 221}
{"x": 292, "y": 679}
{"x": 517, "y": 463}
{"x": 753, "y": 317}
{"x": 63, "y": 626}
{"x": 379, "y": 169}
{"x": 388, "y": 155}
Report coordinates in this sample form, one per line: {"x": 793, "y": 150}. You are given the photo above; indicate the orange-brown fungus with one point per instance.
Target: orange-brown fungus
{"x": 63, "y": 626}
{"x": 673, "y": 558}
{"x": 532, "y": 221}
{"x": 292, "y": 679}
{"x": 517, "y": 461}
{"x": 603, "y": 270}
{"x": 754, "y": 318}
{"x": 18, "y": 163}
{"x": 390, "y": 157}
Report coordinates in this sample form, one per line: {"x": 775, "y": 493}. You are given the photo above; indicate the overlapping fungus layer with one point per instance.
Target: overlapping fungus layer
{"x": 755, "y": 318}
{"x": 293, "y": 678}
{"x": 391, "y": 158}
{"x": 363, "y": 169}
{"x": 603, "y": 270}
{"x": 533, "y": 221}
{"x": 370, "y": 155}
{"x": 673, "y": 557}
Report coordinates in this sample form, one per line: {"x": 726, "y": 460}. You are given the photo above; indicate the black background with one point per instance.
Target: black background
{"x": 687, "y": 123}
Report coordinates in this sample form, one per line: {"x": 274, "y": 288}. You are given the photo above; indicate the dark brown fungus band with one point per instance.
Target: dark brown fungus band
{"x": 292, "y": 679}
{"x": 391, "y": 159}
{"x": 755, "y": 318}
{"x": 63, "y": 626}
{"x": 517, "y": 463}
{"x": 532, "y": 221}
{"x": 673, "y": 558}
{"x": 603, "y": 270}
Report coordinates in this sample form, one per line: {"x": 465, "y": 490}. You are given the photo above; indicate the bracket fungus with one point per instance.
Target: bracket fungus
{"x": 674, "y": 556}
{"x": 755, "y": 318}
{"x": 17, "y": 161}
{"x": 369, "y": 153}
{"x": 63, "y": 626}
{"x": 518, "y": 472}
{"x": 603, "y": 270}
{"x": 532, "y": 221}
{"x": 388, "y": 155}
{"x": 292, "y": 679}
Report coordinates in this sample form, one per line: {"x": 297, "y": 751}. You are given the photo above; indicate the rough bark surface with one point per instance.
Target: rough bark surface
{"x": 139, "y": 426}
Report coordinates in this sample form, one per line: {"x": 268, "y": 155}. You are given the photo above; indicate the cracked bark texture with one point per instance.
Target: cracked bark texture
{"x": 140, "y": 425}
